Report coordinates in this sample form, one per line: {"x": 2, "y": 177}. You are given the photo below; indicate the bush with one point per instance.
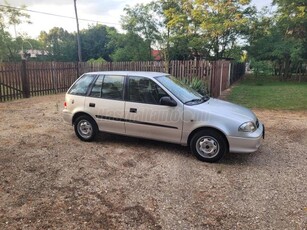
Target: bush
{"x": 263, "y": 68}
{"x": 198, "y": 85}
{"x": 98, "y": 60}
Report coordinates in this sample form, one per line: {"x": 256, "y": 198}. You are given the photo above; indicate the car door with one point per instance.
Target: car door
{"x": 105, "y": 103}
{"x": 146, "y": 117}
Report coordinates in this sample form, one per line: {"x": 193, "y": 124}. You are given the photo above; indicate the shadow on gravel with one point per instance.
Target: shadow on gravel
{"x": 237, "y": 158}
{"x": 262, "y": 157}
{"x": 107, "y": 138}
{"x": 176, "y": 149}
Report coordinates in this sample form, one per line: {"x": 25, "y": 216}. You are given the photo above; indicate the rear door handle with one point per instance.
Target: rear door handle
{"x": 133, "y": 110}
{"x": 92, "y": 104}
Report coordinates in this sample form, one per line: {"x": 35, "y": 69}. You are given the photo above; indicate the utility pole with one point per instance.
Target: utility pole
{"x": 78, "y": 33}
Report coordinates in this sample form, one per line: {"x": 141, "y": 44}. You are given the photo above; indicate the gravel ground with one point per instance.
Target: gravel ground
{"x": 51, "y": 180}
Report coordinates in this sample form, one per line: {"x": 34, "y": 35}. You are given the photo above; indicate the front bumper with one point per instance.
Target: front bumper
{"x": 247, "y": 144}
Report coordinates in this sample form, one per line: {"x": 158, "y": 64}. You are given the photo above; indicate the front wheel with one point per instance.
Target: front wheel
{"x": 85, "y": 128}
{"x": 208, "y": 145}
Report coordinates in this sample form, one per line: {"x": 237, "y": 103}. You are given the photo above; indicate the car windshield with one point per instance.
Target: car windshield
{"x": 183, "y": 92}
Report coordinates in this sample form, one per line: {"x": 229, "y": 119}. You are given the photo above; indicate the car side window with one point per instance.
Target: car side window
{"x": 97, "y": 87}
{"x": 81, "y": 86}
{"x": 144, "y": 90}
{"x": 112, "y": 87}
{"x": 108, "y": 87}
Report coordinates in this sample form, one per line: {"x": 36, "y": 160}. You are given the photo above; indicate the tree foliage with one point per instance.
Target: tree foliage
{"x": 10, "y": 16}
{"x": 211, "y": 26}
{"x": 281, "y": 39}
{"x": 181, "y": 30}
{"x": 96, "y": 42}
{"x": 130, "y": 47}
{"x": 140, "y": 20}
{"x": 58, "y": 45}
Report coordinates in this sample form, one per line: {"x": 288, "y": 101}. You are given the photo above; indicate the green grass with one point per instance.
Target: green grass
{"x": 269, "y": 93}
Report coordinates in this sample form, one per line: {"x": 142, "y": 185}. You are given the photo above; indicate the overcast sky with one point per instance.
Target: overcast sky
{"x": 105, "y": 12}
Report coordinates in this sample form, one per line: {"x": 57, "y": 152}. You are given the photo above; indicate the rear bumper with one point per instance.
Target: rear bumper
{"x": 247, "y": 144}
{"x": 67, "y": 116}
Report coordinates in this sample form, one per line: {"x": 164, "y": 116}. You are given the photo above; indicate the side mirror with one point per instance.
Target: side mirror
{"x": 166, "y": 100}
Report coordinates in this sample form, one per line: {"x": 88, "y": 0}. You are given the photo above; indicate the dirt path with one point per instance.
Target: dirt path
{"x": 51, "y": 180}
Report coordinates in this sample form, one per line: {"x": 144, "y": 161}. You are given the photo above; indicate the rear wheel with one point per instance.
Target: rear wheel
{"x": 85, "y": 128}
{"x": 208, "y": 145}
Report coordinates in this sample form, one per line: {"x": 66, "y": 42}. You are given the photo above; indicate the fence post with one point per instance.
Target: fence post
{"x": 25, "y": 80}
{"x": 77, "y": 70}
{"x": 1, "y": 71}
{"x": 229, "y": 74}
{"x": 213, "y": 77}
{"x": 209, "y": 77}
{"x": 221, "y": 78}
{"x": 54, "y": 77}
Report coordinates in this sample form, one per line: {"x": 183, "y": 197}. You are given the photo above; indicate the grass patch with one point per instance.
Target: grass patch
{"x": 269, "y": 93}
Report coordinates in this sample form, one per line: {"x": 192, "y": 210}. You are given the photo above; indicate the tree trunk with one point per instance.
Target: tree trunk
{"x": 298, "y": 72}
{"x": 287, "y": 72}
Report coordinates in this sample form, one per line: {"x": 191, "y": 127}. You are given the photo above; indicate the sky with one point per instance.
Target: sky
{"x": 106, "y": 12}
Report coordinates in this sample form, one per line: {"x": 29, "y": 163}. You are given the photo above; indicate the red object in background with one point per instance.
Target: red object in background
{"x": 157, "y": 55}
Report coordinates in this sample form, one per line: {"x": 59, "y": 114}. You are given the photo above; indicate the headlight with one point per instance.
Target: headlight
{"x": 247, "y": 127}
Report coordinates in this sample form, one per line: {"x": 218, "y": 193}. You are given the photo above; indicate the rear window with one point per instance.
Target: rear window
{"x": 82, "y": 85}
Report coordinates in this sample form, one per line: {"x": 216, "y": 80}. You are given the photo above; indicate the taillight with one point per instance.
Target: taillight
{"x": 65, "y": 104}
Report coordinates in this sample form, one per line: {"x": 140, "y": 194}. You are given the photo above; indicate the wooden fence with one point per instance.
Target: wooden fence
{"x": 26, "y": 79}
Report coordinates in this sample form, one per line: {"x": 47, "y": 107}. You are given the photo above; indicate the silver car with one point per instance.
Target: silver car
{"x": 158, "y": 106}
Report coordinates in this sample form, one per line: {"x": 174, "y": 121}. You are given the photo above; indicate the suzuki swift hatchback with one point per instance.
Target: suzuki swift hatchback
{"x": 158, "y": 106}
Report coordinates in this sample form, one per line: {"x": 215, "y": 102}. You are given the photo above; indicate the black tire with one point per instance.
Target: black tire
{"x": 208, "y": 145}
{"x": 85, "y": 128}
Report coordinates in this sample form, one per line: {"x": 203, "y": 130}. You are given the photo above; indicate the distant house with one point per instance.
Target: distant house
{"x": 157, "y": 55}
{"x": 33, "y": 53}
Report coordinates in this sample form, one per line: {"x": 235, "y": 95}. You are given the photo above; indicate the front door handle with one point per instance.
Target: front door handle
{"x": 92, "y": 104}
{"x": 133, "y": 110}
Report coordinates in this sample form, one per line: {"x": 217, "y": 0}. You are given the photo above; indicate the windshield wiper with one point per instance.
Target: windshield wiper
{"x": 206, "y": 98}
{"x": 198, "y": 100}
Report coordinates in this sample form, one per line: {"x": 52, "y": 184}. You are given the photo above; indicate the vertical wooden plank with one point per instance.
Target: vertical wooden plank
{"x": 53, "y": 77}
{"x": 16, "y": 81}
{"x": 1, "y": 82}
{"x": 25, "y": 80}
{"x": 221, "y": 78}
{"x": 32, "y": 80}
{"x": 229, "y": 73}
{"x": 48, "y": 74}
{"x": 11, "y": 78}
{"x": 8, "y": 89}
{"x": 9, "y": 81}
{"x": 18, "y": 75}
{"x": 40, "y": 80}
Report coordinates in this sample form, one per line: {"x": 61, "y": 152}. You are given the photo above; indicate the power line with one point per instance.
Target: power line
{"x": 57, "y": 15}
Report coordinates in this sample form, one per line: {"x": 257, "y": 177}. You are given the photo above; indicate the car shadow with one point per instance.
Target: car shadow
{"x": 236, "y": 158}
{"x": 258, "y": 158}
{"x": 147, "y": 143}
{"x": 228, "y": 159}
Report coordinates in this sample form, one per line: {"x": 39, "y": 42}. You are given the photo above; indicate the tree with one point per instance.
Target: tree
{"x": 96, "y": 42}
{"x": 281, "y": 38}
{"x": 59, "y": 44}
{"x": 141, "y": 20}
{"x": 211, "y": 26}
{"x": 10, "y": 16}
{"x": 292, "y": 20}
{"x": 292, "y": 16}
{"x": 130, "y": 47}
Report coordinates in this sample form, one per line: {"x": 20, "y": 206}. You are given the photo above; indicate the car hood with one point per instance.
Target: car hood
{"x": 226, "y": 109}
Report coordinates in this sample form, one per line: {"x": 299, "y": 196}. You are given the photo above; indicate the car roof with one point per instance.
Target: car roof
{"x": 130, "y": 73}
